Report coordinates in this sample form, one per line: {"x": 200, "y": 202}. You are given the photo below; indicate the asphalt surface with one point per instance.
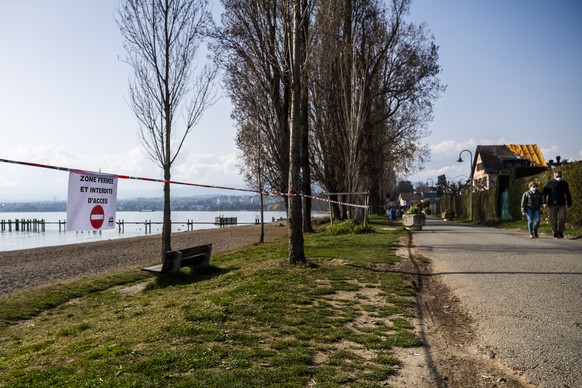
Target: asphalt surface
{"x": 525, "y": 294}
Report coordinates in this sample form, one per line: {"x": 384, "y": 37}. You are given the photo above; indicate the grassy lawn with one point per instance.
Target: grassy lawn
{"x": 251, "y": 320}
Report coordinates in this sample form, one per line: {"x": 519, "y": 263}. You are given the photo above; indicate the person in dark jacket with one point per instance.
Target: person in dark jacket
{"x": 556, "y": 195}
{"x": 531, "y": 205}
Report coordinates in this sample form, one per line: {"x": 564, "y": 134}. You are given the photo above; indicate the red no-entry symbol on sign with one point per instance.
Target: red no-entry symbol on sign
{"x": 97, "y": 216}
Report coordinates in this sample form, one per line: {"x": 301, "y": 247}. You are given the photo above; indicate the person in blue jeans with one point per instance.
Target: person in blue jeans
{"x": 531, "y": 204}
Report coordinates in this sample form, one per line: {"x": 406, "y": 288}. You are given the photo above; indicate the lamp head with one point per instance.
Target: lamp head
{"x": 460, "y": 160}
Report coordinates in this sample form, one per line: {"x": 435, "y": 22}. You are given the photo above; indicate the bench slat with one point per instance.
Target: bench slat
{"x": 192, "y": 260}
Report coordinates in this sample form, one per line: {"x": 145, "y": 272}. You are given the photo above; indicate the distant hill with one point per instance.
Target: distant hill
{"x": 196, "y": 203}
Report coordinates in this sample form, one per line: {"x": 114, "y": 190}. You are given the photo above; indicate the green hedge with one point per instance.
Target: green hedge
{"x": 484, "y": 205}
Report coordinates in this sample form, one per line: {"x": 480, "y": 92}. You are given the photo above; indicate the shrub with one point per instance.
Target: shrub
{"x": 414, "y": 210}
{"x": 350, "y": 227}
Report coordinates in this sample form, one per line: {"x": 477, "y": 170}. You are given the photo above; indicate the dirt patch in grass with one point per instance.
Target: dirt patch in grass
{"x": 367, "y": 298}
{"x": 133, "y": 289}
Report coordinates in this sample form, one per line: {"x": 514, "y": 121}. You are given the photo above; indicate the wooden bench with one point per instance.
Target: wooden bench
{"x": 187, "y": 257}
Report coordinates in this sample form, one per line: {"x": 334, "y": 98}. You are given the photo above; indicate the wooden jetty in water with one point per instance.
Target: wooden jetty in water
{"x": 28, "y": 225}
{"x": 39, "y": 225}
{"x": 224, "y": 221}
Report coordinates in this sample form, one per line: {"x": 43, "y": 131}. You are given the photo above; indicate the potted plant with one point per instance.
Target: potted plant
{"x": 448, "y": 215}
{"x": 413, "y": 218}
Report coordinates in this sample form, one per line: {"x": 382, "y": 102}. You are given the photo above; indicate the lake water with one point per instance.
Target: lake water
{"x": 10, "y": 241}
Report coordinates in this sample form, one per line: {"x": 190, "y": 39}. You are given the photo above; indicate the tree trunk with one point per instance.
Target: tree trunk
{"x": 305, "y": 166}
{"x": 262, "y": 235}
{"x": 306, "y": 177}
{"x": 304, "y": 109}
{"x": 260, "y": 180}
{"x": 167, "y": 224}
{"x": 296, "y": 249}
{"x": 376, "y": 205}
{"x": 336, "y": 213}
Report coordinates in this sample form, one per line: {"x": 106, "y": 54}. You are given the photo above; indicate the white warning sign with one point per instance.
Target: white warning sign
{"x": 92, "y": 201}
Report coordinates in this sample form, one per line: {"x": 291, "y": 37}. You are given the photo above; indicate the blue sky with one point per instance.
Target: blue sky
{"x": 512, "y": 69}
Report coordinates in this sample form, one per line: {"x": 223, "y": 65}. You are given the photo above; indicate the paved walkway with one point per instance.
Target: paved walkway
{"x": 526, "y": 294}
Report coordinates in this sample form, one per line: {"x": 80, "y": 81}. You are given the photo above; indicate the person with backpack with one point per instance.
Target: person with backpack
{"x": 531, "y": 205}
{"x": 556, "y": 196}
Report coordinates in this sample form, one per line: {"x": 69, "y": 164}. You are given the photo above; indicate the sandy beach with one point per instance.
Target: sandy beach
{"x": 23, "y": 269}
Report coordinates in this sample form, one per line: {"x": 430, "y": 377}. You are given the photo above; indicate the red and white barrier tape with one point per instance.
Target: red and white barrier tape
{"x": 291, "y": 193}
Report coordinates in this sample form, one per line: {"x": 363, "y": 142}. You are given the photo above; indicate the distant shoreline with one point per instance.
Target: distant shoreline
{"x": 215, "y": 203}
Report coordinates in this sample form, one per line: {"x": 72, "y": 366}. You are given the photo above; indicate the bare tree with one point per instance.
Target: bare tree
{"x": 328, "y": 148}
{"x": 350, "y": 78}
{"x": 264, "y": 73}
{"x": 374, "y": 80}
{"x": 168, "y": 92}
{"x": 252, "y": 47}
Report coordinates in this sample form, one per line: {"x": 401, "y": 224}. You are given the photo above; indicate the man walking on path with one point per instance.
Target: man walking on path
{"x": 526, "y": 299}
{"x": 556, "y": 195}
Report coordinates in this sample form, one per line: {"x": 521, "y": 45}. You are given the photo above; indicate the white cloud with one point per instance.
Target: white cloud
{"x": 208, "y": 169}
{"x": 549, "y": 151}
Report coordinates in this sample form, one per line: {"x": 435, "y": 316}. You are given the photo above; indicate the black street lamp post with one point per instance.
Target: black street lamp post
{"x": 471, "y": 177}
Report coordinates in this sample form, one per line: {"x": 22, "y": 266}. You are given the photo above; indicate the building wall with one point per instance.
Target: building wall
{"x": 481, "y": 180}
